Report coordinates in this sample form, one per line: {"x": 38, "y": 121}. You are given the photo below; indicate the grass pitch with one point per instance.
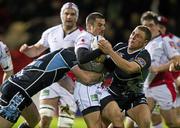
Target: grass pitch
{"x": 79, "y": 123}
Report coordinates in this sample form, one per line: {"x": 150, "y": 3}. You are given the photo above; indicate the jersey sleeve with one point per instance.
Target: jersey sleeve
{"x": 143, "y": 59}
{"x": 5, "y": 58}
{"x": 44, "y": 39}
{"x": 83, "y": 41}
{"x": 169, "y": 49}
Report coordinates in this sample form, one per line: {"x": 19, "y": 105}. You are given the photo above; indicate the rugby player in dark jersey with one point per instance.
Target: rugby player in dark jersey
{"x": 42, "y": 72}
{"x": 131, "y": 63}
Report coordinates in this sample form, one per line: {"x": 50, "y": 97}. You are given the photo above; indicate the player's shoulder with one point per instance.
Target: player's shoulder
{"x": 53, "y": 29}
{"x": 77, "y": 32}
{"x": 84, "y": 35}
{"x": 120, "y": 45}
{"x": 2, "y": 45}
{"x": 80, "y": 29}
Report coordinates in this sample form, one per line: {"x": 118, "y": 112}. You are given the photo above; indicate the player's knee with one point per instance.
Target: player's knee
{"x": 65, "y": 120}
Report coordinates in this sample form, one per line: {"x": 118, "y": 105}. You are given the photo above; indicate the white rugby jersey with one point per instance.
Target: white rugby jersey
{"x": 54, "y": 38}
{"x": 173, "y": 40}
{"x": 161, "y": 52}
{"x": 84, "y": 41}
{"x": 176, "y": 41}
{"x": 5, "y": 58}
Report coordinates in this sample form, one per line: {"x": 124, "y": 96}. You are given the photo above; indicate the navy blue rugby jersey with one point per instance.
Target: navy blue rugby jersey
{"x": 124, "y": 82}
{"x": 45, "y": 70}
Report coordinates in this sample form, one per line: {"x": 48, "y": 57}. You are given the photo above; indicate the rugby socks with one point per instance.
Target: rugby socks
{"x": 23, "y": 125}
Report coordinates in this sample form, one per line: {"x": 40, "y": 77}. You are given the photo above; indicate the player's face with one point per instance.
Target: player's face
{"x": 98, "y": 28}
{"x": 137, "y": 40}
{"x": 69, "y": 18}
{"x": 153, "y": 27}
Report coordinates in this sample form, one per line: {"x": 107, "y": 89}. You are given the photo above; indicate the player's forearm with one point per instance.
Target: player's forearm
{"x": 85, "y": 55}
{"x": 86, "y": 77}
{"x": 129, "y": 67}
{"x": 161, "y": 68}
{"x": 7, "y": 74}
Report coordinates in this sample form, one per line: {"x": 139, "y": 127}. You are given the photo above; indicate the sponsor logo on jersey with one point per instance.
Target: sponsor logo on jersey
{"x": 45, "y": 92}
{"x": 141, "y": 61}
{"x": 94, "y": 97}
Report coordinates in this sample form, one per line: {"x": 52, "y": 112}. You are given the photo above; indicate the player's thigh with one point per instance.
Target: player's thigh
{"x": 169, "y": 116}
{"x": 114, "y": 114}
{"x": 5, "y": 123}
{"x": 67, "y": 83}
{"x": 93, "y": 119}
{"x": 136, "y": 114}
{"x": 52, "y": 102}
{"x": 31, "y": 115}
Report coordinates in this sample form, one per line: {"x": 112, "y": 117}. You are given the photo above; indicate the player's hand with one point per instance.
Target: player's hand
{"x": 23, "y": 48}
{"x": 105, "y": 46}
{"x": 174, "y": 67}
{"x": 154, "y": 69}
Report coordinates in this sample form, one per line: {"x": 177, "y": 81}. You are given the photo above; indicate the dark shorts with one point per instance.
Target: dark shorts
{"x": 130, "y": 100}
{"x": 12, "y": 101}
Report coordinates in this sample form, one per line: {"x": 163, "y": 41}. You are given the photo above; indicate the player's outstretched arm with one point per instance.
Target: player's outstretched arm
{"x": 33, "y": 50}
{"x": 87, "y": 77}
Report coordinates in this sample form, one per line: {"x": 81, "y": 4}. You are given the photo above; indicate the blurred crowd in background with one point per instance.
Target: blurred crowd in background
{"x": 23, "y": 21}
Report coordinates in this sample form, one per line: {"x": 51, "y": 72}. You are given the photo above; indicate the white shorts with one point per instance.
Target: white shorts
{"x": 177, "y": 101}
{"x": 162, "y": 95}
{"x": 65, "y": 97}
{"x": 89, "y": 96}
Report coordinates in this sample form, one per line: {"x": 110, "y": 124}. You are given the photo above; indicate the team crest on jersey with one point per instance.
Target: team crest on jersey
{"x": 172, "y": 44}
{"x": 141, "y": 61}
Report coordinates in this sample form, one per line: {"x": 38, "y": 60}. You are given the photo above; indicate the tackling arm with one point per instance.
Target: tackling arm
{"x": 87, "y": 77}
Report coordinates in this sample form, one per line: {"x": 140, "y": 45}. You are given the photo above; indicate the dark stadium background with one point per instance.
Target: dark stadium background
{"x": 23, "y": 21}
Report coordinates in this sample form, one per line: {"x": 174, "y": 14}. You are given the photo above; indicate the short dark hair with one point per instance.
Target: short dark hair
{"x": 147, "y": 32}
{"x": 150, "y": 15}
{"x": 93, "y": 16}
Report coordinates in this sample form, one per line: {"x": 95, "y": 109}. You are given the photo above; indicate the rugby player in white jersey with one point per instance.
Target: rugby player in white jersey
{"x": 95, "y": 101}
{"x": 5, "y": 61}
{"x": 159, "y": 86}
{"x": 56, "y": 96}
{"x": 174, "y": 41}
